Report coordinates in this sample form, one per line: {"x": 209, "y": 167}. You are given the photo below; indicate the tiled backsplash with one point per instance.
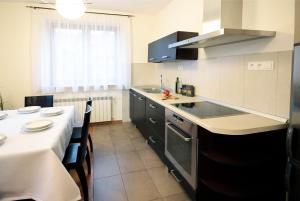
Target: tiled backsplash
{"x": 228, "y": 79}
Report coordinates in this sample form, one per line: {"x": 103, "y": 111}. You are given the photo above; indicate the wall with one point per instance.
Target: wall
{"x": 297, "y": 22}
{"x": 221, "y": 72}
{"x": 15, "y": 72}
{"x": 15, "y": 57}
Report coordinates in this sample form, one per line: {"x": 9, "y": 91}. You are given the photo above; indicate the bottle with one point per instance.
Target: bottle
{"x": 177, "y": 86}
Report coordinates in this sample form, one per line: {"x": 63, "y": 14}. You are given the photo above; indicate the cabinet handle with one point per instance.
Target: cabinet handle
{"x": 175, "y": 177}
{"x": 151, "y": 59}
{"x": 186, "y": 139}
{"x": 152, "y": 120}
{"x": 289, "y": 140}
{"x": 140, "y": 98}
{"x": 152, "y": 106}
{"x": 151, "y": 139}
{"x": 165, "y": 57}
{"x": 134, "y": 95}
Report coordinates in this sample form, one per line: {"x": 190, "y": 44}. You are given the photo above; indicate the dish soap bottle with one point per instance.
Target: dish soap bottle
{"x": 177, "y": 86}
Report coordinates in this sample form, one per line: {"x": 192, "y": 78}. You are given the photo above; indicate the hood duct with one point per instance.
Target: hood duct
{"x": 222, "y": 24}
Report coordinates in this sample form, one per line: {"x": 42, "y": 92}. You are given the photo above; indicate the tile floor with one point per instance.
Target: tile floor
{"x": 126, "y": 168}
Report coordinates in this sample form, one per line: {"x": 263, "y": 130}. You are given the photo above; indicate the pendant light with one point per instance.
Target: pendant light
{"x": 70, "y": 9}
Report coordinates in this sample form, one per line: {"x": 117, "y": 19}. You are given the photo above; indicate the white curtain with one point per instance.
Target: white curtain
{"x": 91, "y": 53}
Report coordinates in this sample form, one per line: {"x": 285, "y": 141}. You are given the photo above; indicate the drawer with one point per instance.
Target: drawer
{"x": 156, "y": 126}
{"x": 157, "y": 145}
{"x": 153, "y": 109}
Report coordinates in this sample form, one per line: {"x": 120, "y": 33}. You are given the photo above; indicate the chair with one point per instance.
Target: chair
{"x": 77, "y": 153}
{"x": 43, "y": 101}
{"x": 76, "y": 134}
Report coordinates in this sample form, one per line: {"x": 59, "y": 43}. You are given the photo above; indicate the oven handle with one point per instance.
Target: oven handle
{"x": 187, "y": 139}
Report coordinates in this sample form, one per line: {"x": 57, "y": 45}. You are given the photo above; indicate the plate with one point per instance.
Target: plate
{"x": 3, "y": 115}
{"x": 2, "y": 138}
{"x": 28, "y": 110}
{"x": 52, "y": 111}
{"x": 38, "y": 125}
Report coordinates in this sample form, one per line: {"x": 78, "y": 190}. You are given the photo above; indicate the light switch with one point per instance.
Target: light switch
{"x": 261, "y": 65}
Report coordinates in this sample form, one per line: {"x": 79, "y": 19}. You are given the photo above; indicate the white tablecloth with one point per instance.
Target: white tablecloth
{"x": 30, "y": 163}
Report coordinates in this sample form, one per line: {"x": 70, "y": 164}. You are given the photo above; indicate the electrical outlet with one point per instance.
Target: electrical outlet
{"x": 261, "y": 65}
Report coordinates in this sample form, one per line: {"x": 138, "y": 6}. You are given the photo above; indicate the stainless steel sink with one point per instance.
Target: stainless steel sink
{"x": 152, "y": 90}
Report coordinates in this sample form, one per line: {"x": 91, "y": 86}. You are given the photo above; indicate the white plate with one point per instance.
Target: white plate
{"x": 3, "y": 115}
{"x": 28, "y": 110}
{"x": 2, "y": 138}
{"x": 52, "y": 111}
{"x": 38, "y": 125}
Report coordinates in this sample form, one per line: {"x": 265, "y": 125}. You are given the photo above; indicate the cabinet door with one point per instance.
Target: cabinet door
{"x": 140, "y": 114}
{"x": 166, "y": 53}
{"x": 132, "y": 98}
{"x": 153, "y": 52}
{"x": 157, "y": 145}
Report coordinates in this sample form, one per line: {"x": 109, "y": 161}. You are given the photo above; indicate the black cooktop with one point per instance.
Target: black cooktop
{"x": 207, "y": 109}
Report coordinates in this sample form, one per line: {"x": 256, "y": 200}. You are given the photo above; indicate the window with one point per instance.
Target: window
{"x": 84, "y": 55}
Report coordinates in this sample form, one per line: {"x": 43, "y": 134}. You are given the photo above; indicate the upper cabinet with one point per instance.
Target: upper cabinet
{"x": 158, "y": 51}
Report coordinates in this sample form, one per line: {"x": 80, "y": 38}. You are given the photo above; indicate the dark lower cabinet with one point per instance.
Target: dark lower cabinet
{"x": 155, "y": 117}
{"x": 241, "y": 168}
{"x": 149, "y": 118}
{"x": 132, "y": 95}
{"x": 138, "y": 111}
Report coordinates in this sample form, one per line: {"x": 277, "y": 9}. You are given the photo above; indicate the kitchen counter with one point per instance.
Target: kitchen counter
{"x": 242, "y": 124}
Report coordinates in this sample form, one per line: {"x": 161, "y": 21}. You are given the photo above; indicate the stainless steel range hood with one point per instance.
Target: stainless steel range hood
{"x": 222, "y": 24}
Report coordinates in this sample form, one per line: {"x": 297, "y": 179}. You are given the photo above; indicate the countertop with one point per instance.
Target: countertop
{"x": 243, "y": 124}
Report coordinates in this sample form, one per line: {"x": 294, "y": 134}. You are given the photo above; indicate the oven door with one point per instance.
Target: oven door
{"x": 181, "y": 150}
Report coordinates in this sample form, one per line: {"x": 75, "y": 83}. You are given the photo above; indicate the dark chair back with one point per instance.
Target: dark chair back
{"x": 84, "y": 134}
{"x": 89, "y": 102}
{"x": 43, "y": 101}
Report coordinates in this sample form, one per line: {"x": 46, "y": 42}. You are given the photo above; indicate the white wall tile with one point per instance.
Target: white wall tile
{"x": 284, "y": 83}
{"x": 260, "y": 86}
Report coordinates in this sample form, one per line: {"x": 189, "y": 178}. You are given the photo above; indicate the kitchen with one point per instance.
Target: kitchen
{"x": 228, "y": 142}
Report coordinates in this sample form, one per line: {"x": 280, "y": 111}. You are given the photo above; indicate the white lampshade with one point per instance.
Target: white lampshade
{"x": 70, "y": 9}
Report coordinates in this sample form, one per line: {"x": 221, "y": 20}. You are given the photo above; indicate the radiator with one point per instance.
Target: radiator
{"x": 102, "y": 107}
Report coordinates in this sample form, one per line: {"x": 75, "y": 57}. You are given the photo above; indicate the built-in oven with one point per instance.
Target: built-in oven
{"x": 181, "y": 146}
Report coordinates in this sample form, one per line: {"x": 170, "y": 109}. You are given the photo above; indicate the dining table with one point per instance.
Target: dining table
{"x": 31, "y": 162}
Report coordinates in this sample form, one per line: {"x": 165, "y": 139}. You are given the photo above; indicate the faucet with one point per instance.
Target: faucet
{"x": 161, "y": 82}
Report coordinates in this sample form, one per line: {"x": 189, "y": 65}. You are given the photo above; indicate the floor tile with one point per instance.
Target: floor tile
{"x": 140, "y": 143}
{"x": 139, "y": 187}
{"x": 129, "y": 162}
{"x": 109, "y": 189}
{"x": 104, "y": 148}
{"x": 150, "y": 159}
{"x": 100, "y": 137}
{"x": 105, "y": 165}
{"x": 123, "y": 145}
{"x": 118, "y": 134}
{"x": 177, "y": 197}
{"x": 133, "y": 133}
{"x": 164, "y": 182}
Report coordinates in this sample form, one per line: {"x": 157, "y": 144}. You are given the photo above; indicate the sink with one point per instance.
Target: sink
{"x": 152, "y": 90}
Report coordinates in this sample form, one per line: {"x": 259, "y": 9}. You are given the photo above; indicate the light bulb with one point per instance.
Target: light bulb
{"x": 70, "y": 9}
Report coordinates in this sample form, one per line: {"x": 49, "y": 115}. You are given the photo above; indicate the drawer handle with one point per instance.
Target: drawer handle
{"x": 134, "y": 95}
{"x": 152, "y": 106}
{"x": 175, "y": 177}
{"x": 165, "y": 57}
{"x": 152, "y": 120}
{"x": 151, "y": 139}
{"x": 140, "y": 98}
{"x": 151, "y": 59}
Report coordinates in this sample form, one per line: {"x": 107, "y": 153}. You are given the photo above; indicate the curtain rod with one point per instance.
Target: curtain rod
{"x": 115, "y": 14}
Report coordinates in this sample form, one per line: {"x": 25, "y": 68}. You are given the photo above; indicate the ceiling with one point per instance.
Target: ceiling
{"x": 131, "y": 6}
